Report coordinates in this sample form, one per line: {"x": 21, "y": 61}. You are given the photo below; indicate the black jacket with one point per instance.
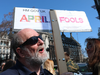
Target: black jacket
{"x": 20, "y": 69}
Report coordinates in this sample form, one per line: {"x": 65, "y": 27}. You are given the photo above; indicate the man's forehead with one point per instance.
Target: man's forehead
{"x": 27, "y": 33}
{"x": 26, "y": 30}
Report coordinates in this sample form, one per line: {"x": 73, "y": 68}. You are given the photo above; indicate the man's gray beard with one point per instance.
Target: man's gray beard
{"x": 36, "y": 59}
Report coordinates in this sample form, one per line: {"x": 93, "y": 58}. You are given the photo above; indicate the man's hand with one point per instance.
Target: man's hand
{"x": 67, "y": 73}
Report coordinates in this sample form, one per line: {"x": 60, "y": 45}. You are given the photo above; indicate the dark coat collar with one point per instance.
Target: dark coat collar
{"x": 25, "y": 71}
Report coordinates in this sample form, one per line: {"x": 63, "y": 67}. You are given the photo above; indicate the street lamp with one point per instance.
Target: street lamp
{"x": 98, "y": 2}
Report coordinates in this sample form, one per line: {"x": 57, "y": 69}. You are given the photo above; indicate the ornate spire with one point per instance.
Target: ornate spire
{"x": 71, "y": 35}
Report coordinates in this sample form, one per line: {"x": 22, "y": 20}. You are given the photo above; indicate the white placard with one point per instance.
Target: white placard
{"x": 38, "y": 19}
{"x": 73, "y": 21}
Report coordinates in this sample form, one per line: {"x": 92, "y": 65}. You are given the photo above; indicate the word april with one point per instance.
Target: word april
{"x": 37, "y": 19}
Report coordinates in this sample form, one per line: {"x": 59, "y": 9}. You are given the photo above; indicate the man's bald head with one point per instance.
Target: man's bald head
{"x": 27, "y": 33}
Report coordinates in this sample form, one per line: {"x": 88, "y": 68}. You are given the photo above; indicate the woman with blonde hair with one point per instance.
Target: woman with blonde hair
{"x": 49, "y": 65}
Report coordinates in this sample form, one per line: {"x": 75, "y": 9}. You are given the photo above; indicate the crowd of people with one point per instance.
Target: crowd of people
{"x": 32, "y": 58}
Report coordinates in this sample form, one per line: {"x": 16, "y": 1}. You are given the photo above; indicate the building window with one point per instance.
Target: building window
{"x": 1, "y": 43}
{"x": 4, "y": 50}
{"x": 0, "y": 50}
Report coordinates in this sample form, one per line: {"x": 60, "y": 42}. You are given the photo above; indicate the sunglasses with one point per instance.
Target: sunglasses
{"x": 88, "y": 47}
{"x": 31, "y": 41}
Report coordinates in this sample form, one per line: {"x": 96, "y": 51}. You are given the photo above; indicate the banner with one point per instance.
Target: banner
{"x": 73, "y": 21}
{"x": 39, "y": 19}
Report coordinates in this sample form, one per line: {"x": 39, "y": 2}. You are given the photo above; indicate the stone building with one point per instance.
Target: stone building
{"x": 4, "y": 47}
{"x": 70, "y": 46}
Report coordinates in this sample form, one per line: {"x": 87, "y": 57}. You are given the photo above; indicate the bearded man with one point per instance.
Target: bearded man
{"x": 29, "y": 48}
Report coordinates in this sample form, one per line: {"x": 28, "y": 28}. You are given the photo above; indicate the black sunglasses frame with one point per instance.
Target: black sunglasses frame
{"x": 31, "y": 41}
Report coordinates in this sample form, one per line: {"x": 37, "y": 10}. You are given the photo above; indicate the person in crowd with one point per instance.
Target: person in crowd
{"x": 30, "y": 51}
{"x": 2, "y": 66}
{"x": 71, "y": 66}
{"x": 49, "y": 65}
{"x": 9, "y": 63}
{"x": 93, "y": 51}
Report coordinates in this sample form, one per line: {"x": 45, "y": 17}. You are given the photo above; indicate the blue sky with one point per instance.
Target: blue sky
{"x": 77, "y": 5}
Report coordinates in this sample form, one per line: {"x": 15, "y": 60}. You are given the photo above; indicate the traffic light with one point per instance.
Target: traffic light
{"x": 97, "y": 4}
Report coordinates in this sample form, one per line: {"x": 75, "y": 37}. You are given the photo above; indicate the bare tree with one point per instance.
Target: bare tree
{"x": 6, "y": 24}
